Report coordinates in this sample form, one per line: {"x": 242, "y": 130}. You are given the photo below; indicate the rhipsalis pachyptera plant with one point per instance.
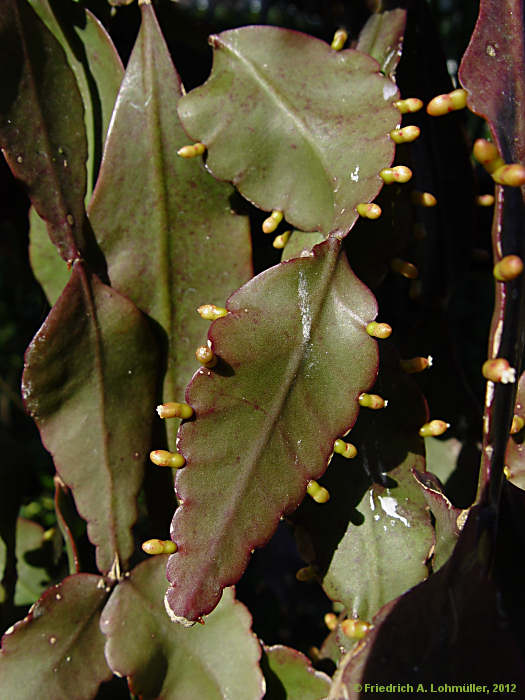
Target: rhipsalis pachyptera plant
{"x": 291, "y": 264}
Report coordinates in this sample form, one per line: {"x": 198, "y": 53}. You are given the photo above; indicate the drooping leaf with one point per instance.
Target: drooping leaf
{"x": 215, "y": 660}
{"x": 294, "y": 357}
{"x": 382, "y": 38}
{"x": 161, "y": 239}
{"x": 289, "y": 674}
{"x": 48, "y": 267}
{"x": 448, "y": 520}
{"x": 89, "y": 382}
{"x": 57, "y": 651}
{"x": 97, "y": 68}
{"x": 42, "y": 130}
{"x": 295, "y": 125}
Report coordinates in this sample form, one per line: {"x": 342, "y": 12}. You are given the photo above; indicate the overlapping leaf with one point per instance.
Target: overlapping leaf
{"x": 295, "y": 125}
{"x": 170, "y": 237}
{"x": 32, "y": 577}
{"x": 382, "y": 38}
{"x": 215, "y": 660}
{"x": 89, "y": 383}
{"x": 290, "y": 674}
{"x": 295, "y": 355}
{"x": 42, "y": 130}
{"x": 58, "y": 646}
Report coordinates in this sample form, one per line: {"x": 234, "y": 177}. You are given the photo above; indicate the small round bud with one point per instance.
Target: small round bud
{"x": 369, "y": 211}
{"x": 339, "y": 39}
{"x": 355, "y": 629}
{"x": 307, "y": 573}
{"x": 486, "y": 153}
{"x": 433, "y": 428}
{"x": 416, "y": 364}
{"x": 205, "y": 356}
{"x": 404, "y": 268}
{"x": 280, "y": 241}
{"x": 498, "y": 370}
{"x": 410, "y": 105}
{"x": 517, "y": 424}
{"x": 507, "y": 472}
{"x": 372, "y": 401}
{"x": 346, "y": 449}
{"x": 399, "y": 173}
{"x": 163, "y": 458}
{"x": 317, "y": 492}
{"x": 210, "y": 312}
{"x": 270, "y": 224}
{"x": 175, "y": 410}
{"x": 485, "y": 200}
{"x": 405, "y": 135}
{"x": 512, "y": 175}
{"x": 159, "y": 547}
{"x": 330, "y": 620}
{"x": 379, "y": 330}
{"x": 508, "y": 268}
{"x": 191, "y": 151}
{"x": 423, "y": 199}
{"x": 451, "y": 102}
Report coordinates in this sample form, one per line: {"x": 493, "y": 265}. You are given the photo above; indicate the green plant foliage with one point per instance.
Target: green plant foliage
{"x": 94, "y": 349}
{"x": 294, "y": 129}
{"x": 67, "y": 646}
{"x": 163, "y": 256}
{"x": 32, "y": 575}
{"x": 290, "y": 674}
{"x": 216, "y": 660}
{"x": 294, "y": 397}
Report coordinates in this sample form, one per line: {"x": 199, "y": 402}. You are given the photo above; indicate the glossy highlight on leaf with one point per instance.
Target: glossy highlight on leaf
{"x": 292, "y": 140}
{"x": 267, "y": 416}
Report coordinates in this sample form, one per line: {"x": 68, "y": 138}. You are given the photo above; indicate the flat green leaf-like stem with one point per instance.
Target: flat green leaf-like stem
{"x": 294, "y": 357}
{"x": 89, "y": 383}
{"x": 57, "y": 651}
{"x": 290, "y": 675}
{"x": 161, "y": 660}
{"x": 42, "y": 129}
{"x": 295, "y": 125}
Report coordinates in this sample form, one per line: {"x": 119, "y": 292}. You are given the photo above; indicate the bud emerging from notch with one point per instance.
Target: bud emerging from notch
{"x": 210, "y": 312}
{"x": 451, "y": 102}
{"x": 369, "y": 211}
{"x": 317, "y": 492}
{"x": 159, "y": 547}
{"x": 499, "y": 370}
{"x": 163, "y": 458}
{"x": 411, "y": 104}
{"x": 399, "y": 173}
{"x": 354, "y": 628}
{"x": 379, "y": 330}
{"x": 270, "y": 224}
{"x": 174, "y": 410}
{"x": 346, "y": 449}
{"x": 508, "y": 268}
{"x": 423, "y": 199}
{"x": 205, "y": 356}
{"x": 281, "y": 240}
{"x": 512, "y": 175}
{"x": 372, "y": 401}
{"x": 191, "y": 151}
{"x": 433, "y": 428}
{"x": 405, "y": 135}
{"x": 487, "y": 154}
{"x": 339, "y": 39}
{"x": 330, "y": 620}
{"x": 416, "y": 364}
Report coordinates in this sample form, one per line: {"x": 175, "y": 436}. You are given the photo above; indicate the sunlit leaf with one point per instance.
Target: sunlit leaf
{"x": 295, "y": 125}
{"x": 215, "y": 660}
{"x": 294, "y": 357}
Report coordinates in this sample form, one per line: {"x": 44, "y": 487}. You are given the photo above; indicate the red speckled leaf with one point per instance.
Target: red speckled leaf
{"x": 213, "y": 661}
{"x": 170, "y": 237}
{"x": 57, "y": 651}
{"x": 295, "y": 125}
{"x": 295, "y": 355}
{"x": 42, "y": 130}
{"x": 89, "y": 382}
